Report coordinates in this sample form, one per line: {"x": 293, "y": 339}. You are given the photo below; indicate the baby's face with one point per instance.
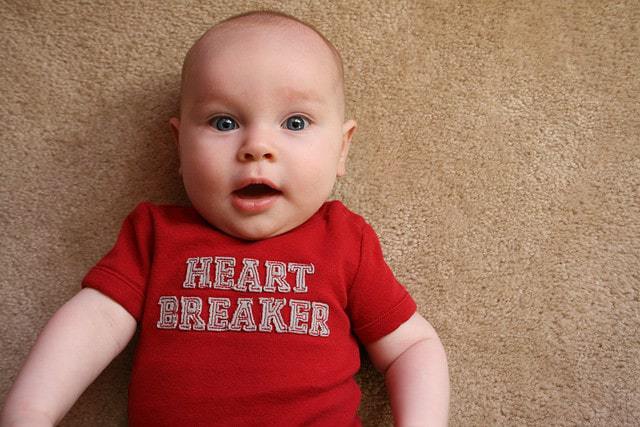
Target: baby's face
{"x": 261, "y": 135}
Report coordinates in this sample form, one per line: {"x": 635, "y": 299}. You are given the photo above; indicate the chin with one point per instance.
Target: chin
{"x": 244, "y": 235}
{"x": 259, "y": 231}
{"x": 252, "y": 233}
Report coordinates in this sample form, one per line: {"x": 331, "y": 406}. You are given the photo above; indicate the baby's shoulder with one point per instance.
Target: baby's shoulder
{"x": 164, "y": 214}
{"x": 164, "y": 209}
{"x": 343, "y": 220}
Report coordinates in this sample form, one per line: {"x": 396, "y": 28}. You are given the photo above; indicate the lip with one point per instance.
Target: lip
{"x": 253, "y": 205}
{"x": 248, "y": 181}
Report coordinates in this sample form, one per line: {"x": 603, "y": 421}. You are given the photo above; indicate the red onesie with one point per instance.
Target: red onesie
{"x": 239, "y": 333}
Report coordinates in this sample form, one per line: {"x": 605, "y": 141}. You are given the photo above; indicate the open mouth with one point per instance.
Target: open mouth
{"x": 256, "y": 191}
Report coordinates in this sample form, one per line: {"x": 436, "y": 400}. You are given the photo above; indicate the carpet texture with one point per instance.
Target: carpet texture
{"x": 498, "y": 157}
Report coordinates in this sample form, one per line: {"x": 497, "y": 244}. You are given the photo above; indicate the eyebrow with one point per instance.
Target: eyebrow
{"x": 291, "y": 94}
{"x": 199, "y": 100}
{"x": 307, "y": 96}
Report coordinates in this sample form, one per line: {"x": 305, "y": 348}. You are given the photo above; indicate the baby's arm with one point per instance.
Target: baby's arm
{"x": 414, "y": 364}
{"x": 77, "y": 343}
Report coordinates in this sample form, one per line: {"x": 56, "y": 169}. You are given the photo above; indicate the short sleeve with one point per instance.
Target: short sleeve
{"x": 378, "y": 303}
{"x": 122, "y": 273}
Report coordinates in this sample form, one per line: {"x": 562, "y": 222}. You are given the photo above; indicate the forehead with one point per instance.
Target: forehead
{"x": 234, "y": 53}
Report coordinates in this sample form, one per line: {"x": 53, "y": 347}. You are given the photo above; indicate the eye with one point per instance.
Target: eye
{"x": 296, "y": 123}
{"x": 224, "y": 123}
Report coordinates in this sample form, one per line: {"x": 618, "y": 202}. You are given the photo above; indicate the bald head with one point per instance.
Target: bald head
{"x": 273, "y": 24}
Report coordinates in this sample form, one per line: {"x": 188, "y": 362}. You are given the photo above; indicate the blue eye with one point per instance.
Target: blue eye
{"x": 296, "y": 123}
{"x": 224, "y": 123}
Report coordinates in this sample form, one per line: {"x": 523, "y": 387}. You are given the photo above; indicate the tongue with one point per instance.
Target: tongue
{"x": 255, "y": 191}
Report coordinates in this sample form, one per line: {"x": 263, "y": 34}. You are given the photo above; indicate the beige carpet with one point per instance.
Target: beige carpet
{"x": 498, "y": 157}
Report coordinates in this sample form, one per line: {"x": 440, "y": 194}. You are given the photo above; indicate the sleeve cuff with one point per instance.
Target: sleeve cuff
{"x": 389, "y": 322}
{"x": 113, "y": 285}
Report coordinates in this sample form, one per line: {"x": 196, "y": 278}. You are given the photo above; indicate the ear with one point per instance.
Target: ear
{"x": 175, "y": 129}
{"x": 348, "y": 128}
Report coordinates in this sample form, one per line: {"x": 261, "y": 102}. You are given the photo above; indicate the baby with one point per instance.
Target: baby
{"x": 251, "y": 303}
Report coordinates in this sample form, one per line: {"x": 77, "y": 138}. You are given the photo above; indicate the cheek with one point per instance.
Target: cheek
{"x": 323, "y": 147}
{"x": 204, "y": 159}
{"x": 314, "y": 174}
{"x": 203, "y": 172}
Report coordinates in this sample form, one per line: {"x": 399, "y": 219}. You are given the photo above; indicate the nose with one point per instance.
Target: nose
{"x": 256, "y": 147}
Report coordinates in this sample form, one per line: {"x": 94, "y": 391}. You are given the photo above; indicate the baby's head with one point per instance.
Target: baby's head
{"x": 261, "y": 132}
